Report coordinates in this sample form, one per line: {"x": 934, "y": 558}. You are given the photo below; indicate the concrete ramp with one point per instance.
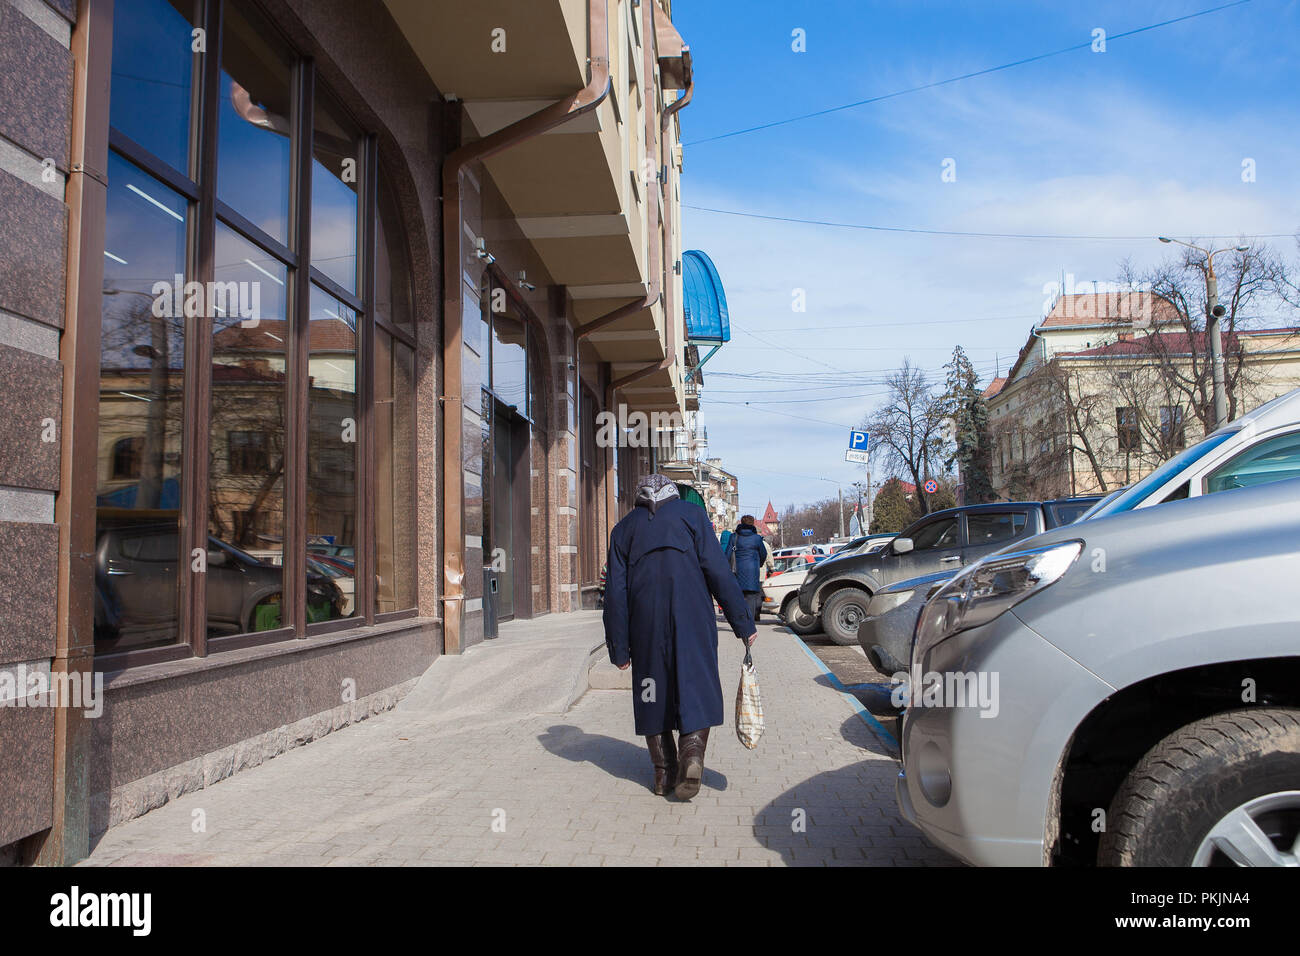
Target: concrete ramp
{"x": 535, "y": 667}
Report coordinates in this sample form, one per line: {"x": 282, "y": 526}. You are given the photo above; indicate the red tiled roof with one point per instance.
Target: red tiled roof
{"x": 272, "y": 335}
{"x": 1177, "y": 343}
{"x": 244, "y": 373}
{"x": 1101, "y": 308}
{"x": 1166, "y": 343}
{"x": 994, "y": 386}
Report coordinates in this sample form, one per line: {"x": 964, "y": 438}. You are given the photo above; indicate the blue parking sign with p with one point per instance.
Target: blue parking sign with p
{"x": 857, "y": 441}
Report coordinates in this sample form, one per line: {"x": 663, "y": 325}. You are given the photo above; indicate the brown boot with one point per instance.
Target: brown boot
{"x": 663, "y": 754}
{"x": 691, "y": 763}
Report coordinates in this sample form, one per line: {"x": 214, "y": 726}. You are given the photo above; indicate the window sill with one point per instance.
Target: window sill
{"x": 149, "y": 673}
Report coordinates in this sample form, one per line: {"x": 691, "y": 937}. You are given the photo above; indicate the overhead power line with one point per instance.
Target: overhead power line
{"x": 1087, "y": 44}
{"x": 951, "y": 233}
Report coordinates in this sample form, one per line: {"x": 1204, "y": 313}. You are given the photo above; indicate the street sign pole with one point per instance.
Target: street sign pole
{"x": 870, "y": 501}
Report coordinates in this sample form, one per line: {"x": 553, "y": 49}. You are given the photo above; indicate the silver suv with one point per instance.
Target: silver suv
{"x": 1124, "y": 691}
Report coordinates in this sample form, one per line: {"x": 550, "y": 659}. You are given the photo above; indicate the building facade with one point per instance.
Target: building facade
{"x": 1107, "y": 388}
{"x": 310, "y": 311}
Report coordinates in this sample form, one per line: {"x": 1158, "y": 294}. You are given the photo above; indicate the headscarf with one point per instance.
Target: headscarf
{"x": 654, "y": 490}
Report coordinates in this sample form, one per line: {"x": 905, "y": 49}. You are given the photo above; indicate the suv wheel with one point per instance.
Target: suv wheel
{"x": 795, "y": 619}
{"x": 842, "y": 613}
{"x": 1219, "y": 792}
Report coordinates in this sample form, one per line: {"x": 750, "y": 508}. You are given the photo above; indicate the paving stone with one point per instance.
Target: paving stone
{"x": 571, "y": 787}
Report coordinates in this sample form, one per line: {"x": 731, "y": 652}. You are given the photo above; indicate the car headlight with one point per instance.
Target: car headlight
{"x": 986, "y": 590}
{"x": 882, "y": 602}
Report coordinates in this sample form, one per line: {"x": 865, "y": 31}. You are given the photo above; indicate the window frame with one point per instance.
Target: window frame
{"x": 1173, "y": 428}
{"x": 1131, "y": 445}
{"x": 1203, "y": 483}
{"x": 205, "y": 212}
{"x": 968, "y": 539}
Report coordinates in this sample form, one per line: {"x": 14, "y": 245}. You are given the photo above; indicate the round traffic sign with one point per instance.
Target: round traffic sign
{"x": 931, "y": 486}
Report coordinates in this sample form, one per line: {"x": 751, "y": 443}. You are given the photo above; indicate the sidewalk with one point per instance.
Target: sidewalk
{"x": 482, "y": 763}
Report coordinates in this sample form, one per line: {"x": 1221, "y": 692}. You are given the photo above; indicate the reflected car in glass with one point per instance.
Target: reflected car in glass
{"x": 135, "y": 573}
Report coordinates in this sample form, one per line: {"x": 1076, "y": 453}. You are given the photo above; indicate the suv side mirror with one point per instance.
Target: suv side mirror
{"x": 902, "y": 545}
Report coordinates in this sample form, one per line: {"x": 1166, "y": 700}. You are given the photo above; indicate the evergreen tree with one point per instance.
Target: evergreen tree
{"x": 964, "y": 403}
{"x": 891, "y": 511}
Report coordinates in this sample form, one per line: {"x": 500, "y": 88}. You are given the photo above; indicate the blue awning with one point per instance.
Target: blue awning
{"x": 705, "y": 302}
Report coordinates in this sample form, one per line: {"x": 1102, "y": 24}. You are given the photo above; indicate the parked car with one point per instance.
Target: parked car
{"x": 791, "y": 561}
{"x": 1239, "y": 455}
{"x": 1146, "y": 709}
{"x": 781, "y": 595}
{"x": 135, "y": 572}
{"x": 839, "y": 590}
{"x": 781, "y": 590}
{"x": 885, "y": 632}
{"x": 342, "y": 576}
{"x": 793, "y": 552}
{"x": 346, "y": 551}
{"x": 1260, "y": 447}
{"x": 877, "y": 541}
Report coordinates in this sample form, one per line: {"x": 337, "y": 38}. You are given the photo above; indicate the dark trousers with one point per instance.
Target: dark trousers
{"x": 755, "y": 600}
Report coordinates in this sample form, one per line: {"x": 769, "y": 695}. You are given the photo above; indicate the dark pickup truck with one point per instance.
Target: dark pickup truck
{"x": 839, "y": 591}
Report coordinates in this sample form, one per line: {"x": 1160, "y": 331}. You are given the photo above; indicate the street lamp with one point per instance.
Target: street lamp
{"x": 1212, "y": 326}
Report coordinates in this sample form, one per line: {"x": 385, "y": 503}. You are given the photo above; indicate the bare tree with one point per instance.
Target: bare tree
{"x": 1251, "y": 283}
{"x": 823, "y": 517}
{"x": 1067, "y": 432}
{"x": 907, "y": 431}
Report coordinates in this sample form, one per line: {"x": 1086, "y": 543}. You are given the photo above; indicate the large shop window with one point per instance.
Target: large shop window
{"x": 256, "y": 472}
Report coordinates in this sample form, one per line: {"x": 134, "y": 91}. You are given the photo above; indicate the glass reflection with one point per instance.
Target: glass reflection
{"x": 332, "y": 437}
{"x": 510, "y": 362}
{"x": 153, "y": 62}
{"x": 392, "y": 270}
{"x": 140, "y": 413}
{"x": 394, "y": 474}
{"x": 246, "y": 451}
{"x": 336, "y": 167}
{"x": 253, "y": 151}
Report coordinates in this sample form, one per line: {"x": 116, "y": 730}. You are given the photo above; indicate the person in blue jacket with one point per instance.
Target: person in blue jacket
{"x": 747, "y": 553}
{"x": 665, "y": 570}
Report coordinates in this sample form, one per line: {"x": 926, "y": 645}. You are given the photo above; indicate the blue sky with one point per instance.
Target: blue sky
{"x": 1146, "y": 138}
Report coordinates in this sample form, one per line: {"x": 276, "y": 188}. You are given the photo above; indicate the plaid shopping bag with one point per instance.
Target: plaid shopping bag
{"x": 749, "y": 705}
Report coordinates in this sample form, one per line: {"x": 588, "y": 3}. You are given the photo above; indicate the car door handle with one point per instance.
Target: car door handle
{"x": 950, "y": 559}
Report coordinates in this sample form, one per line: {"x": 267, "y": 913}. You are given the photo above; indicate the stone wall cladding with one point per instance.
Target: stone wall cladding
{"x": 138, "y": 797}
{"x": 31, "y": 409}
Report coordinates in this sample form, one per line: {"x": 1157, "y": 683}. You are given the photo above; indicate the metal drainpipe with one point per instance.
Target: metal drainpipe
{"x": 453, "y": 336}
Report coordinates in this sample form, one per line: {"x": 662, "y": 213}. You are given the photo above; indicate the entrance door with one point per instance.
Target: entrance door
{"x": 503, "y": 525}
{"x": 510, "y": 513}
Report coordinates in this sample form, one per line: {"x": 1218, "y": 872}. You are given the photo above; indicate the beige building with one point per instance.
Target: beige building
{"x": 1109, "y": 386}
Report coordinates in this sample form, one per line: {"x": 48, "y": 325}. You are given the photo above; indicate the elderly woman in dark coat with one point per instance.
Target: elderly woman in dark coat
{"x": 665, "y": 570}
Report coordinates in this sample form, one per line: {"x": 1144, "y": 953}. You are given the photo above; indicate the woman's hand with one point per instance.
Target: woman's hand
{"x": 749, "y": 641}
{"x": 624, "y": 667}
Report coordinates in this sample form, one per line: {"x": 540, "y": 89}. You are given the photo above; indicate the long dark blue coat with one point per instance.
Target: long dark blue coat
{"x": 750, "y": 553}
{"x": 665, "y": 570}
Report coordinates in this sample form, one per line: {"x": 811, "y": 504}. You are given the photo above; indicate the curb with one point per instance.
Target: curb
{"x": 582, "y": 680}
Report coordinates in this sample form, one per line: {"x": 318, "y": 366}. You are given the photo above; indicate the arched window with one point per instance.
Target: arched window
{"x": 128, "y": 453}
{"x": 394, "y": 413}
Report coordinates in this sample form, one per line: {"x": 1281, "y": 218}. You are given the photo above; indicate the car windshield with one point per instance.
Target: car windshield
{"x": 239, "y": 553}
{"x": 1139, "y": 493}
